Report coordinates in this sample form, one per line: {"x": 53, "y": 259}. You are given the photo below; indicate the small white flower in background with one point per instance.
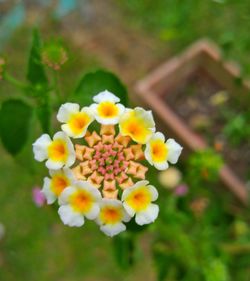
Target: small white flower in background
{"x": 59, "y": 151}
{"x": 78, "y": 201}
{"x": 170, "y": 178}
{"x": 54, "y": 186}
{"x": 2, "y": 231}
{"x": 102, "y": 176}
{"x": 107, "y": 110}
{"x": 76, "y": 120}
{"x": 137, "y": 200}
{"x": 159, "y": 153}
{"x": 111, "y": 217}
{"x": 138, "y": 124}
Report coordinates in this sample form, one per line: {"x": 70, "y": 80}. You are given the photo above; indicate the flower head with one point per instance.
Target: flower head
{"x": 76, "y": 120}
{"x": 107, "y": 109}
{"x": 38, "y": 197}
{"x": 54, "y": 55}
{"x": 54, "y": 186}
{"x": 111, "y": 217}
{"x": 137, "y": 200}
{"x": 102, "y": 176}
{"x": 78, "y": 201}
{"x": 159, "y": 153}
{"x": 138, "y": 124}
{"x": 170, "y": 178}
{"x": 59, "y": 152}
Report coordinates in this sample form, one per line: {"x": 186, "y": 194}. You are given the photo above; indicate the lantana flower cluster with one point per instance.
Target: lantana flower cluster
{"x": 102, "y": 176}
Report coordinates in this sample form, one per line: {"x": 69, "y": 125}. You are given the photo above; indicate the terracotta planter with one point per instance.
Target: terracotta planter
{"x": 151, "y": 90}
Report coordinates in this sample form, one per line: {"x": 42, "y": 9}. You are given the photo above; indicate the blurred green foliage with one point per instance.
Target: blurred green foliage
{"x": 237, "y": 129}
{"x": 203, "y": 167}
{"x": 45, "y": 95}
{"x": 180, "y": 22}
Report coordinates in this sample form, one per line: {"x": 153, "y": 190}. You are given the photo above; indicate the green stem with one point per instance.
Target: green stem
{"x": 57, "y": 87}
{"x": 15, "y": 82}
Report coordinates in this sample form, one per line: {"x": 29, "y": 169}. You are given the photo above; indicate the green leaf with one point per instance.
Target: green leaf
{"x": 15, "y": 117}
{"x": 94, "y": 82}
{"x": 36, "y": 72}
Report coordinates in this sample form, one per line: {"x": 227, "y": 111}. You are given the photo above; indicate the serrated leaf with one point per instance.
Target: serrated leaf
{"x": 15, "y": 117}
{"x": 36, "y": 72}
{"x": 94, "y": 82}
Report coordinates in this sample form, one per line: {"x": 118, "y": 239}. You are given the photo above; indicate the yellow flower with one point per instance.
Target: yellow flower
{"x": 54, "y": 186}
{"x": 138, "y": 124}
{"x": 76, "y": 121}
{"x": 78, "y": 201}
{"x": 107, "y": 110}
{"x": 158, "y": 152}
{"x": 59, "y": 151}
{"x": 137, "y": 200}
{"x": 111, "y": 217}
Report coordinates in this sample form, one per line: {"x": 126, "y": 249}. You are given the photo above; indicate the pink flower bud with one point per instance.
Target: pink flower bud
{"x": 38, "y": 197}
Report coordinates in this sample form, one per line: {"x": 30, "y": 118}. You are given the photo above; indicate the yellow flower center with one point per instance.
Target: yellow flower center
{"x": 139, "y": 199}
{"x": 110, "y": 215}
{"x": 136, "y": 128}
{"x": 81, "y": 201}
{"x": 107, "y": 109}
{"x": 159, "y": 151}
{"x": 57, "y": 150}
{"x": 59, "y": 183}
{"x": 78, "y": 122}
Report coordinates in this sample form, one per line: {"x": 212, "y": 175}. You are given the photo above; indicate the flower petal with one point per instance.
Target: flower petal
{"x": 106, "y": 96}
{"x": 161, "y": 166}
{"x": 112, "y": 230}
{"x": 64, "y": 196}
{"x": 128, "y": 209}
{"x": 66, "y": 110}
{"x": 54, "y": 165}
{"x": 40, "y": 147}
{"x": 153, "y": 192}
{"x": 147, "y": 216}
{"x": 174, "y": 150}
{"x": 93, "y": 213}
{"x": 69, "y": 217}
{"x": 49, "y": 195}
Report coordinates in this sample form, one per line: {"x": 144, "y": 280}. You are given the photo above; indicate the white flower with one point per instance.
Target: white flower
{"x": 76, "y": 121}
{"x": 59, "y": 151}
{"x": 111, "y": 216}
{"x": 159, "y": 153}
{"x": 137, "y": 201}
{"x": 54, "y": 186}
{"x": 107, "y": 110}
{"x": 138, "y": 124}
{"x": 170, "y": 178}
{"x": 78, "y": 201}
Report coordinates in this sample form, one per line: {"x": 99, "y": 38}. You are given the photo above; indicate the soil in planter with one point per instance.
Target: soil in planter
{"x": 207, "y": 107}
